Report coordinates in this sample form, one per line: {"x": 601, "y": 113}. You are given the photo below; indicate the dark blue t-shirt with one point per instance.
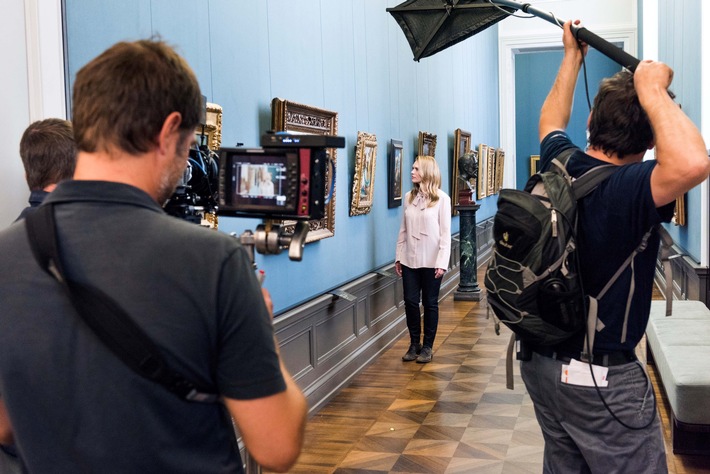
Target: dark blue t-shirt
{"x": 612, "y": 221}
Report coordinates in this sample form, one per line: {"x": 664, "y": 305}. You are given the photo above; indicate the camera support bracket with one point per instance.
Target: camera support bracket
{"x": 270, "y": 239}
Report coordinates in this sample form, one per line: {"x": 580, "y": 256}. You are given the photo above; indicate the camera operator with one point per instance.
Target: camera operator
{"x": 48, "y": 155}
{"x": 74, "y": 405}
{"x": 631, "y": 113}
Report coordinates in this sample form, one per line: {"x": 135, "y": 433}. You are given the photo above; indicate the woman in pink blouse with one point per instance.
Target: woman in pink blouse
{"x": 423, "y": 250}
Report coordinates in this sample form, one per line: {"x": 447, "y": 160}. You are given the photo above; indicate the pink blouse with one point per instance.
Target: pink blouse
{"x": 425, "y": 234}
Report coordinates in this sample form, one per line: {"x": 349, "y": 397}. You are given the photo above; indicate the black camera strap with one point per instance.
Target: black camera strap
{"x": 105, "y": 317}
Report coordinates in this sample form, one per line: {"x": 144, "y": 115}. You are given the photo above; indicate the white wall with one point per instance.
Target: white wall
{"x": 613, "y": 20}
{"x": 31, "y": 88}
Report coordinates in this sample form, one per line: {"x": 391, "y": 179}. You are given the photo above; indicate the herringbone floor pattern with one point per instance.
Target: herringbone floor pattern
{"x": 453, "y": 415}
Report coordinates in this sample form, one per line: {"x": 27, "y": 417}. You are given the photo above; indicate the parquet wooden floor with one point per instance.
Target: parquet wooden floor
{"x": 453, "y": 415}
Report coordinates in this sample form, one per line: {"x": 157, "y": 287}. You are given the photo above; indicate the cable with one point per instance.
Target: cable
{"x": 578, "y": 269}
{"x": 586, "y": 82}
{"x": 510, "y": 13}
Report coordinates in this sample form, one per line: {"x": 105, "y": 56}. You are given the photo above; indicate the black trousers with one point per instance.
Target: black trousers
{"x": 420, "y": 285}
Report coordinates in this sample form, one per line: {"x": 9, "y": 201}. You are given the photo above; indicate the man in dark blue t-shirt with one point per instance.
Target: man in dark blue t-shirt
{"x": 631, "y": 114}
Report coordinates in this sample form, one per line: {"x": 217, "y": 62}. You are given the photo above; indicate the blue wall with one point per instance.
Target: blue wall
{"x": 348, "y": 56}
{"x": 535, "y": 72}
{"x": 679, "y": 30}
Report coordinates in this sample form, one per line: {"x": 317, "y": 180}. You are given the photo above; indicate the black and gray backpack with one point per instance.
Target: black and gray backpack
{"x": 533, "y": 281}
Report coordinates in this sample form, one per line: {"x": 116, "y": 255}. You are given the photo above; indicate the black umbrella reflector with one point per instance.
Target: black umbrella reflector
{"x": 433, "y": 25}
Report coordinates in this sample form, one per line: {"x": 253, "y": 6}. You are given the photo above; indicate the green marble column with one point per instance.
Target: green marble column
{"x": 468, "y": 289}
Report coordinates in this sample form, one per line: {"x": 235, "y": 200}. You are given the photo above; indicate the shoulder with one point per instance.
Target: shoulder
{"x": 553, "y": 144}
{"x": 190, "y": 236}
{"x": 442, "y": 195}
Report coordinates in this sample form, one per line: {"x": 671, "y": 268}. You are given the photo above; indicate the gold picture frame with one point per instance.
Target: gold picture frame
{"x": 462, "y": 145}
{"x": 679, "y": 213}
{"x": 294, "y": 117}
{"x": 500, "y": 166}
{"x": 364, "y": 179}
{"x": 534, "y": 164}
{"x": 482, "y": 185}
{"x": 427, "y": 144}
{"x": 212, "y": 128}
{"x": 490, "y": 179}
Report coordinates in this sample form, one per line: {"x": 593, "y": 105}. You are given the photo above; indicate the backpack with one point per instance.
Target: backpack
{"x": 533, "y": 281}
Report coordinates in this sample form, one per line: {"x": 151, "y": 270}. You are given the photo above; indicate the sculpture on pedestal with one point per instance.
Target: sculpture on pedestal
{"x": 468, "y": 173}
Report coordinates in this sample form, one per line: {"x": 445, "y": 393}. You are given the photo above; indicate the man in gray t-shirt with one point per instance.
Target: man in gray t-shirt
{"x": 74, "y": 406}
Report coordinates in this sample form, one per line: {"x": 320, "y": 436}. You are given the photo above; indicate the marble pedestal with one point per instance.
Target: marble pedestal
{"x": 468, "y": 289}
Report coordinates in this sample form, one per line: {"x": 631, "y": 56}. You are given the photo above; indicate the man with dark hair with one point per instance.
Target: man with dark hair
{"x": 631, "y": 114}
{"x": 48, "y": 154}
{"x": 74, "y": 405}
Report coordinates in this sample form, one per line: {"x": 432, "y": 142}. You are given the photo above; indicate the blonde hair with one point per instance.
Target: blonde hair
{"x": 430, "y": 179}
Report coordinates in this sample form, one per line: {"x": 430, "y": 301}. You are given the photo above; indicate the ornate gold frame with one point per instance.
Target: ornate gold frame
{"x": 534, "y": 164}
{"x": 462, "y": 145}
{"x": 427, "y": 144}
{"x": 679, "y": 214}
{"x": 213, "y": 128}
{"x": 500, "y": 166}
{"x": 293, "y": 117}
{"x": 482, "y": 188}
{"x": 364, "y": 179}
{"x": 491, "y": 178}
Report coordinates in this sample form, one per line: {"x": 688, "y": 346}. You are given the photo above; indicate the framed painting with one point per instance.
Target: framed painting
{"x": 462, "y": 145}
{"x": 427, "y": 144}
{"x": 534, "y": 164}
{"x": 679, "y": 213}
{"x": 364, "y": 179}
{"x": 293, "y": 117}
{"x": 394, "y": 174}
{"x": 500, "y": 165}
{"x": 490, "y": 180}
{"x": 210, "y": 134}
{"x": 482, "y": 185}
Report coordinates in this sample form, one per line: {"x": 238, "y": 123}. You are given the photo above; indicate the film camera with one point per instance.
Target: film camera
{"x": 285, "y": 180}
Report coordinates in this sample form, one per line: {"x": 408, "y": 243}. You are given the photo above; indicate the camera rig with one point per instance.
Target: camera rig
{"x": 284, "y": 180}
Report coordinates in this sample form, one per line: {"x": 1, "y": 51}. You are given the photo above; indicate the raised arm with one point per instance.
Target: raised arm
{"x": 680, "y": 150}
{"x": 557, "y": 108}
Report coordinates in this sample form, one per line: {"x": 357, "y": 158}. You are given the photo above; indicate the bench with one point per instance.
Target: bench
{"x": 680, "y": 348}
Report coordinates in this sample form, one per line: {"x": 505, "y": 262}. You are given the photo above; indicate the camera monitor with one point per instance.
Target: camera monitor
{"x": 280, "y": 183}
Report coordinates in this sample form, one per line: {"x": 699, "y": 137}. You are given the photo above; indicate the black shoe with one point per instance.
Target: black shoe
{"x": 412, "y": 353}
{"x": 424, "y": 355}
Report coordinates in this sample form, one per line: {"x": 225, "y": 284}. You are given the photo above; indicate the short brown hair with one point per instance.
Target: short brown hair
{"x": 618, "y": 123}
{"x": 48, "y": 152}
{"x": 123, "y": 96}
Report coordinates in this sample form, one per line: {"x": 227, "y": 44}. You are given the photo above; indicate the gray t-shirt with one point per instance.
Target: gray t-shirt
{"x": 75, "y": 407}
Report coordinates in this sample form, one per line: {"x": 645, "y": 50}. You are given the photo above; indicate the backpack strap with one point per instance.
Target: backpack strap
{"x": 592, "y": 314}
{"x": 665, "y": 255}
{"x": 586, "y": 183}
{"x": 113, "y": 326}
